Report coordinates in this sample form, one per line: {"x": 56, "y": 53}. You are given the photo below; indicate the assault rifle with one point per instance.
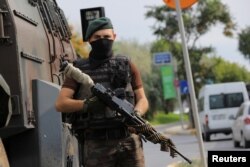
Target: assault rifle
{"x": 123, "y": 107}
{"x": 142, "y": 127}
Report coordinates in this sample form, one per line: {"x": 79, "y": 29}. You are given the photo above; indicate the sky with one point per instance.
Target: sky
{"x": 128, "y": 18}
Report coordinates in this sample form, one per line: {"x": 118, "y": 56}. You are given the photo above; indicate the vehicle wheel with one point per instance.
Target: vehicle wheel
{"x": 245, "y": 143}
{"x": 236, "y": 144}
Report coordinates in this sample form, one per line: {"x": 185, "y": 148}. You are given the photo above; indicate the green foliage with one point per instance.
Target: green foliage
{"x": 81, "y": 48}
{"x": 141, "y": 57}
{"x": 139, "y": 54}
{"x": 160, "y": 46}
{"x": 198, "y": 21}
{"x": 163, "y": 118}
{"x": 207, "y": 69}
{"x": 244, "y": 42}
{"x": 211, "y": 12}
{"x": 217, "y": 70}
{"x": 153, "y": 89}
{"x": 175, "y": 49}
{"x": 225, "y": 71}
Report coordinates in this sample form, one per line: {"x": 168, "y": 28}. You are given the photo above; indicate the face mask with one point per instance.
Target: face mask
{"x": 101, "y": 48}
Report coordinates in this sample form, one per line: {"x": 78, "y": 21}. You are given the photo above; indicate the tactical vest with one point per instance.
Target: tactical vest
{"x": 115, "y": 74}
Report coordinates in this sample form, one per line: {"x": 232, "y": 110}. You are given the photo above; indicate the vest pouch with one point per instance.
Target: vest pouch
{"x": 120, "y": 72}
{"x": 80, "y": 122}
{"x": 102, "y": 113}
{"x": 96, "y": 109}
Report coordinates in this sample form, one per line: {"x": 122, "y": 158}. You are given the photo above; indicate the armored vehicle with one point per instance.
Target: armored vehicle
{"x": 34, "y": 40}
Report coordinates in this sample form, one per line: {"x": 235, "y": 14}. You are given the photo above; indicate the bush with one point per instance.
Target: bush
{"x": 163, "y": 118}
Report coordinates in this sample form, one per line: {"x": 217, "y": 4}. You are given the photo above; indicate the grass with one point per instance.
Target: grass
{"x": 163, "y": 118}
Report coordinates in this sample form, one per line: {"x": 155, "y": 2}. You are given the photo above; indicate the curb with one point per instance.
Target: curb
{"x": 179, "y": 130}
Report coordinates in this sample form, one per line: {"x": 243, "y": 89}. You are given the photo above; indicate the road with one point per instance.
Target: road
{"x": 187, "y": 145}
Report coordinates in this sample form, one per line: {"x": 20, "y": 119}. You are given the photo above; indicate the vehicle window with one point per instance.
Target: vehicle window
{"x": 225, "y": 100}
{"x": 234, "y": 100}
{"x": 216, "y": 101}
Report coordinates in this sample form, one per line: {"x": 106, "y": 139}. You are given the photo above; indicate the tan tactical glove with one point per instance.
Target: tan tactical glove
{"x": 75, "y": 73}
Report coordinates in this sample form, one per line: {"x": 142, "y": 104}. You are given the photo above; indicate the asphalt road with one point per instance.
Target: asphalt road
{"x": 188, "y": 146}
{"x": 156, "y": 158}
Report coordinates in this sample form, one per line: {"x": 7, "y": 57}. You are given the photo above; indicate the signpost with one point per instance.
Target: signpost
{"x": 183, "y": 87}
{"x": 162, "y": 58}
{"x": 180, "y": 4}
{"x": 167, "y": 74}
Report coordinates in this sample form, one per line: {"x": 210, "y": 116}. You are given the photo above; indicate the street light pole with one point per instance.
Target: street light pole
{"x": 190, "y": 82}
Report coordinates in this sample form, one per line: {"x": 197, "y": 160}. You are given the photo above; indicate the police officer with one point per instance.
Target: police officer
{"x": 107, "y": 140}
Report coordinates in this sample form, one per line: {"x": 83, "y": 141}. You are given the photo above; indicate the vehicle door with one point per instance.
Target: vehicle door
{"x": 238, "y": 122}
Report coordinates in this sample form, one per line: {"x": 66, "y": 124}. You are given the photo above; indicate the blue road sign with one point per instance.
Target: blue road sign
{"x": 162, "y": 58}
{"x": 183, "y": 87}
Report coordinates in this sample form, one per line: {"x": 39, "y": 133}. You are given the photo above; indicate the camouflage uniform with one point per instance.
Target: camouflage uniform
{"x": 107, "y": 141}
{"x": 116, "y": 149}
{"x": 126, "y": 152}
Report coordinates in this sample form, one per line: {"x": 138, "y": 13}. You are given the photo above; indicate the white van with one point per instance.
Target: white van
{"x": 218, "y": 102}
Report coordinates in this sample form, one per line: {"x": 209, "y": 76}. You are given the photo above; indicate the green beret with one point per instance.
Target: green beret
{"x": 98, "y": 24}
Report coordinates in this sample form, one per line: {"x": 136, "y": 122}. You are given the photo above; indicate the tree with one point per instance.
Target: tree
{"x": 218, "y": 70}
{"x": 138, "y": 53}
{"x": 79, "y": 45}
{"x": 198, "y": 21}
{"x": 244, "y": 42}
{"x": 162, "y": 46}
{"x": 226, "y": 71}
{"x": 141, "y": 57}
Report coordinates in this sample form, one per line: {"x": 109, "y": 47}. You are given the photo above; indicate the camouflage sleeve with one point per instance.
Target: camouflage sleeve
{"x": 136, "y": 81}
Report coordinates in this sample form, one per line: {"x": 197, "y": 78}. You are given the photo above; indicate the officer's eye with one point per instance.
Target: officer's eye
{"x": 96, "y": 37}
{"x": 107, "y": 36}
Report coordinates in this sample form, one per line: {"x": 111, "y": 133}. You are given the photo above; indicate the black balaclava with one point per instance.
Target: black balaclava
{"x": 101, "y": 49}
{"x": 101, "y": 52}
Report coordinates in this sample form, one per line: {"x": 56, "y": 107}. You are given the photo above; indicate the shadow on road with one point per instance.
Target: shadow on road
{"x": 217, "y": 140}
